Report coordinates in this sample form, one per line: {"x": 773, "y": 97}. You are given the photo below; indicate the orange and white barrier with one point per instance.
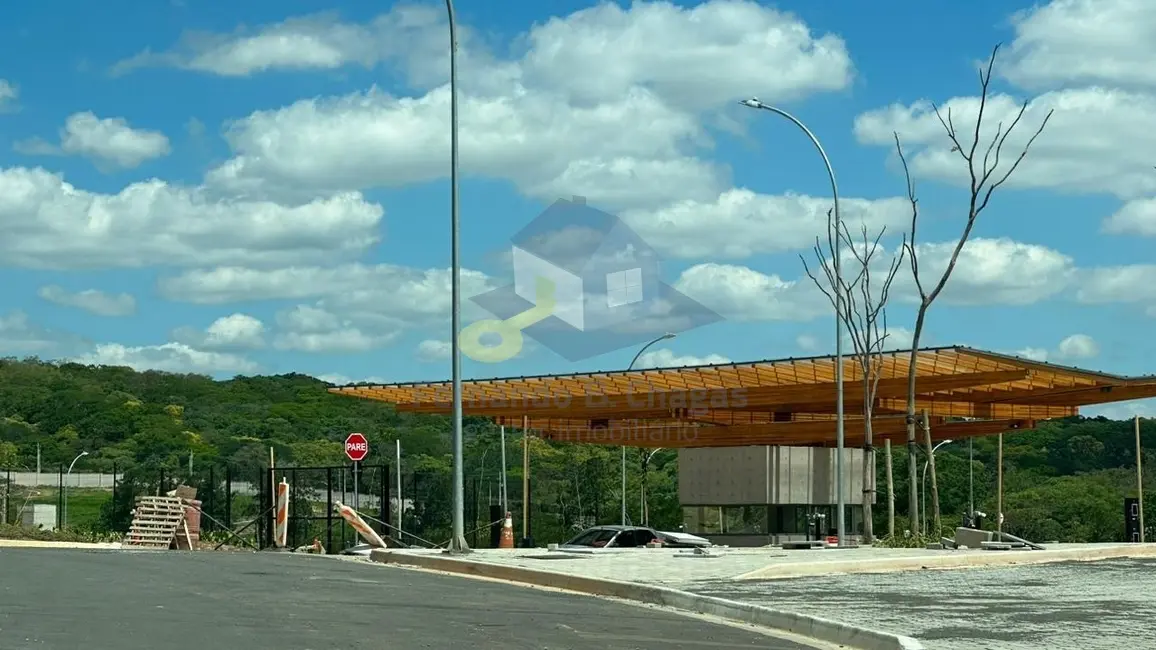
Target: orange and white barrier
{"x": 368, "y": 534}
{"x": 507, "y": 538}
{"x": 281, "y": 519}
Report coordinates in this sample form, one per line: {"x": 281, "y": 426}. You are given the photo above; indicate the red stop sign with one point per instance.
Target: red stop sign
{"x": 356, "y": 447}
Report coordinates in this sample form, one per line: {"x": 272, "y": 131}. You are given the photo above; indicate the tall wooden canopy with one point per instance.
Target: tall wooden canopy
{"x": 966, "y": 392}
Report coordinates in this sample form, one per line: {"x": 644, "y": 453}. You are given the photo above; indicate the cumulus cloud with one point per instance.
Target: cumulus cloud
{"x": 305, "y": 328}
{"x": 46, "y": 222}
{"x": 607, "y": 102}
{"x": 664, "y": 358}
{"x": 432, "y": 350}
{"x": 109, "y": 142}
{"x": 1076, "y": 347}
{"x": 233, "y": 332}
{"x": 167, "y": 357}
{"x": 91, "y": 300}
{"x": 9, "y": 93}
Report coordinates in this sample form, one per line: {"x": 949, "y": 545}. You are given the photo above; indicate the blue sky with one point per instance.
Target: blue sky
{"x": 261, "y": 188}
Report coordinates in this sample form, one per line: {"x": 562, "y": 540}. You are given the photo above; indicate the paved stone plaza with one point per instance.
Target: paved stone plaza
{"x": 1043, "y": 603}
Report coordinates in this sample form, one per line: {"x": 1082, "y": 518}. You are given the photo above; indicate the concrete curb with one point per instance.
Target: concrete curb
{"x": 32, "y": 543}
{"x": 808, "y": 626}
{"x": 949, "y": 560}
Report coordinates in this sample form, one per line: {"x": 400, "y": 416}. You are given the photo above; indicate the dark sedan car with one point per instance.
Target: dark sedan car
{"x": 632, "y": 537}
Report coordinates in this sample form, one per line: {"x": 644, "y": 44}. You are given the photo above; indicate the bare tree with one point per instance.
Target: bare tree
{"x": 986, "y": 177}
{"x": 862, "y": 306}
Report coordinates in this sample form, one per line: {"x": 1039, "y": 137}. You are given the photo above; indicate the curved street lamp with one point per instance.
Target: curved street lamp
{"x": 664, "y": 337}
{"x": 841, "y": 515}
{"x": 458, "y": 539}
{"x": 64, "y": 515}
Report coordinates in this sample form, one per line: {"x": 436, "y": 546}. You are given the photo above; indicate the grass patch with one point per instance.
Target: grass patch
{"x": 84, "y": 504}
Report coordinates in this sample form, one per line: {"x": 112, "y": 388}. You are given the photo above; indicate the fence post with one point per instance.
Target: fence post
{"x": 291, "y": 521}
{"x": 60, "y": 498}
{"x": 7, "y": 494}
{"x": 212, "y": 500}
{"x": 383, "y": 505}
{"x": 328, "y": 509}
{"x": 229, "y": 497}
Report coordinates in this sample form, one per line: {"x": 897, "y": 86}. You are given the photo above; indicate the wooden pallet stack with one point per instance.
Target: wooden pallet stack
{"x": 156, "y": 521}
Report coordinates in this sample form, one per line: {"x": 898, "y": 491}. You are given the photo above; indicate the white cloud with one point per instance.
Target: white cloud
{"x": 167, "y": 357}
{"x": 107, "y": 141}
{"x": 371, "y": 139}
{"x": 431, "y": 350}
{"x": 1145, "y": 408}
{"x": 605, "y": 102}
{"x": 315, "y": 42}
{"x": 20, "y": 337}
{"x": 233, "y": 332}
{"x": 664, "y": 358}
{"x": 1083, "y": 42}
{"x": 91, "y": 300}
{"x": 991, "y": 271}
{"x": 343, "y": 380}
{"x": 1073, "y": 348}
{"x": 740, "y": 293}
{"x": 1136, "y": 217}
{"x": 740, "y": 223}
{"x": 1134, "y": 283}
{"x": 899, "y": 338}
{"x": 312, "y": 329}
{"x": 807, "y": 343}
{"x": 1098, "y": 140}
{"x": 1035, "y": 354}
{"x": 48, "y": 223}
{"x": 378, "y": 297}
{"x": 1078, "y": 346}
{"x": 8, "y": 95}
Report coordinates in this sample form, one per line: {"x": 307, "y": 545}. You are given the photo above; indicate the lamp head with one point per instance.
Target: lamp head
{"x": 753, "y": 102}
{"x": 669, "y": 335}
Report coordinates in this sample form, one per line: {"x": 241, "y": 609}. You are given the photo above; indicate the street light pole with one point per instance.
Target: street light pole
{"x": 923, "y": 484}
{"x": 841, "y": 501}
{"x": 458, "y": 540}
{"x": 64, "y": 515}
{"x": 664, "y": 337}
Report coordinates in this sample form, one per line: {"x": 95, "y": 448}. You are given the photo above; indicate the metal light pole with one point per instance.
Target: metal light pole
{"x": 841, "y": 515}
{"x": 643, "y": 507}
{"x": 970, "y": 479}
{"x": 923, "y": 485}
{"x": 458, "y": 540}
{"x": 633, "y": 361}
{"x": 64, "y": 514}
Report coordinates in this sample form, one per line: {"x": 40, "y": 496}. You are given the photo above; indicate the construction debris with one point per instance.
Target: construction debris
{"x": 164, "y": 522}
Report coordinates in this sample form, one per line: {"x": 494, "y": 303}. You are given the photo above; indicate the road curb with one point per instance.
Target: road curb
{"x": 808, "y": 626}
{"x": 949, "y": 560}
{"x": 33, "y": 543}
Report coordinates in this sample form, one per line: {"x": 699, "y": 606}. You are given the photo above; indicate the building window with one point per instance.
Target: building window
{"x": 623, "y": 288}
{"x": 702, "y": 519}
{"x": 745, "y": 520}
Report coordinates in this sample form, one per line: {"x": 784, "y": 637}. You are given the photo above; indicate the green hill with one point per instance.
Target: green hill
{"x": 1064, "y": 480}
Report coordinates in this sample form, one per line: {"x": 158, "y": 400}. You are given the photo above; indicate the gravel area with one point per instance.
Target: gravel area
{"x": 1104, "y": 605}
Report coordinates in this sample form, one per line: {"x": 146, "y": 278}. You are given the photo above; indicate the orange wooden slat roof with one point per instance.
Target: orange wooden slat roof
{"x": 756, "y": 400}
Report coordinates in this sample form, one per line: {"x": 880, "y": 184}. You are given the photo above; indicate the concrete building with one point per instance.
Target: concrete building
{"x": 751, "y": 496}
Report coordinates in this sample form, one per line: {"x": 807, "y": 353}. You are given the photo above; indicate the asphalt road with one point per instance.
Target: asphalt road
{"x": 64, "y": 599}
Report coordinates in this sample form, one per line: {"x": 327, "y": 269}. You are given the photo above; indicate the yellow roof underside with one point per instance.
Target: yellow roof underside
{"x": 788, "y": 401}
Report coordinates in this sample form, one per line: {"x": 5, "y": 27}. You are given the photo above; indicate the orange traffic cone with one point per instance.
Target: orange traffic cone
{"x": 507, "y": 538}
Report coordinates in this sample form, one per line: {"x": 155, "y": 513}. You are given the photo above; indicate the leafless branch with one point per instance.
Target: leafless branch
{"x": 986, "y": 175}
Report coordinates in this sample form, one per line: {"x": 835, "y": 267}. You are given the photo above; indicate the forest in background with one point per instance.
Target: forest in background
{"x": 1065, "y": 480}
